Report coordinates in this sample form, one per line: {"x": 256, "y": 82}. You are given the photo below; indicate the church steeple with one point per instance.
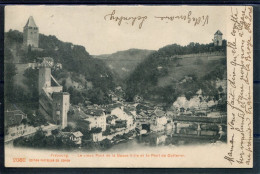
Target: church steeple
{"x": 30, "y": 33}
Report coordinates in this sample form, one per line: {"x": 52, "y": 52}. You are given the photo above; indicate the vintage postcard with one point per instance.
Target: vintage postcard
{"x": 128, "y": 86}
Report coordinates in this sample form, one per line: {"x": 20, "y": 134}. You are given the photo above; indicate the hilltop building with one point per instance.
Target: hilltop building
{"x": 218, "y": 38}
{"x": 30, "y": 34}
{"x": 53, "y": 102}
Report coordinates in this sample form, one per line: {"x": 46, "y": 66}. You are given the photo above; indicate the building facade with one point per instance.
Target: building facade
{"x": 97, "y": 119}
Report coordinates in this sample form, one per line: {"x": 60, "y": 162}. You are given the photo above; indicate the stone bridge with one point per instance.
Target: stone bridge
{"x": 219, "y": 121}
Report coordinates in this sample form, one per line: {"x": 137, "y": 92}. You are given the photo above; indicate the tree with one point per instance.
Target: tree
{"x": 67, "y": 129}
{"x": 9, "y": 73}
{"x": 31, "y": 82}
{"x": 96, "y": 130}
{"x": 55, "y": 132}
{"x": 68, "y": 143}
{"x": 39, "y": 138}
{"x": 105, "y": 144}
{"x": 63, "y": 83}
{"x": 220, "y": 89}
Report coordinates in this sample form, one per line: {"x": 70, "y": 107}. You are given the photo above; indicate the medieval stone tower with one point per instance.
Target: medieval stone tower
{"x": 53, "y": 102}
{"x": 44, "y": 76}
{"x": 60, "y": 108}
{"x": 218, "y": 38}
{"x": 31, "y": 34}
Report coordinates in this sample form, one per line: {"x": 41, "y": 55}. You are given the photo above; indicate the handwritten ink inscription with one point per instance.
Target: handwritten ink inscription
{"x": 140, "y": 20}
{"x": 240, "y": 77}
{"x": 119, "y": 19}
{"x": 189, "y": 18}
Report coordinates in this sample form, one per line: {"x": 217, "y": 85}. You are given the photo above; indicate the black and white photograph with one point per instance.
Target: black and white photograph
{"x": 128, "y": 86}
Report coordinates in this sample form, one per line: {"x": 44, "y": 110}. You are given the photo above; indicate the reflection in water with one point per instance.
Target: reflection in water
{"x": 187, "y": 136}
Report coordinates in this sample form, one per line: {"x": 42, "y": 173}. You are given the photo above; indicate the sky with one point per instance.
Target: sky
{"x": 86, "y": 25}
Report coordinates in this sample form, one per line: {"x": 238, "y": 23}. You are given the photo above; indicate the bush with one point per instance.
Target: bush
{"x": 96, "y": 130}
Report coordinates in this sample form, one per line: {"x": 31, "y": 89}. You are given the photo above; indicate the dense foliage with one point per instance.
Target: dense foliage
{"x": 41, "y": 140}
{"x": 74, "y": 58}
{"x": 144, "y": 81}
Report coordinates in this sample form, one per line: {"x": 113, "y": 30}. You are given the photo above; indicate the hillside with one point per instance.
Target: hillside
{"x": 123, "y": 63}
{"x": 174, "y": 70}
{"x": 75, "y": 61}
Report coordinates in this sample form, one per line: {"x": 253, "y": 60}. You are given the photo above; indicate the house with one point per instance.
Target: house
{"x": 123, "y": 115}
{"x": 160, "y": 139}
{"x": 111, "y": 119}
{"x": 14, "y": 118}
{"x": 97, "y": 136}
{"x": 15, "y": 123}
{"x": 113, "y": 96}
{"x": 76, "y": 137}
{"x": 58, "y": 66}
{"x": 96, "y": 117}
{"x": 33, "y": 65}
{"x": 204, "y": 106}
{"x": 161, "y": 120}
{"x": 138, "y": 99}
{"x": 182, "y": 110}
{"x": 170, "y": 113}
{"x": 160, "y": 117}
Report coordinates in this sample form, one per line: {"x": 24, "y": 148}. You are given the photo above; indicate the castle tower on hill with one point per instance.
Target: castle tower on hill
{"x": 53, "y": 102}
{"x": 218, "y": 38}
{"x": 31, "y": 34}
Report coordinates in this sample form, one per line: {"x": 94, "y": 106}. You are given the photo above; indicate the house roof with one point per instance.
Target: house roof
{"x": 204, "y": 105}
{"x": 159, "y": 113}
{"x": 13, "y": 118}
{"x": 218, "y": 33}
{"x": 77, "y": 134}
{"x": 94, "y": 112}
{"x": 128, "y": 112}
{"x": 143, "y": 114}
{"x": 80, "y": 114}
{"x": 30, "y": 22}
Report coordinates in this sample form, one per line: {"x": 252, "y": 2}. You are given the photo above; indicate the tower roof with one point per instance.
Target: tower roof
{"x": 47, "y": 62}
{"x": 218, "y": 33}
{"x": 30, "y": 22}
